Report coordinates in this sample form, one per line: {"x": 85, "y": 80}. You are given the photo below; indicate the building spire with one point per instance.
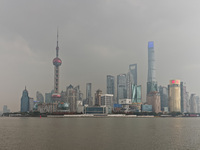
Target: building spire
{"x": 57, "y": 48}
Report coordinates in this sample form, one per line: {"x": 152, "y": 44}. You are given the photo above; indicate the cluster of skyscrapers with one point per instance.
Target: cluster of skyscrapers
{"x": 127, "y": 97}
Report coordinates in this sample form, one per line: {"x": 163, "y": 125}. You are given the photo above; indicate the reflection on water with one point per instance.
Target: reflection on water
{"x": 99, "y": 133}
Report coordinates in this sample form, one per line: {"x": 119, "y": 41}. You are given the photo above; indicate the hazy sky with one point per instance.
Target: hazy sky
{"x": 96, "y": 38}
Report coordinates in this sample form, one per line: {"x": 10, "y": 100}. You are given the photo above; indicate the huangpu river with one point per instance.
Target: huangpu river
{"x": 27, "y": 133}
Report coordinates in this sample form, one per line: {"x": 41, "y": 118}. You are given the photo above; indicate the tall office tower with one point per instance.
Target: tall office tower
{"x": 88, "y": 90}
{"x": 111, "y": 85}
{"x": 39, "y": 97}
{"x": 98, "y": 97}
{"x": 187, "y": 102}
{"x": 183, "y": 98}
{"x": 31, "y": 104}
{"x": 107, "y": 100}
{"x": 56, "y": 62}
{"x": 198, "y": 104}
{"x": 89, "y": 98}
{"x": 131, "y": 79}
{"x": 151, "y": 81}
{"x": 71, "y": 98}
{"x": 47, "y": 97}
{"x": 5, "y": 109}
{"x": 193, "y": 103}
{"x": 174, "y": 96}
{"x": 136, "y": 96}
{"x": 163, "y": 97}
{"x": 153, "y": 98}
{"x": 24, "y": 101}
{"x": 121, "y": 87}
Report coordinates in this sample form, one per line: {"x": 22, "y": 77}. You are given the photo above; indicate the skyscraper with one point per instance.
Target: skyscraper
{"x": 163, "y": 97}
{"x": 89, "y": 98}
{"x": 56, "y": 62}
{"x": 88, "y": 90}
{"x": 39, "y": 97}
{"x": 153, "y": 96}
{"x": 111, "y": 85}
{"x": 174, "y": 95}
{"x": 5, "y": 109}
{"x": 121, "y": 87}
{"x": 47, "y": 97}
{"x": 193, "y": 103}
{"x": 24, "y": 101}
{"x": 131, "y": 79}
{"x": 183, "y": 98}
{"x": 71, "y": 98}
{"x": 151, "y": 81}
{"x": 107, "y": 100}
{"x": 98, "y": 97}
{"x": 136, "y": 94}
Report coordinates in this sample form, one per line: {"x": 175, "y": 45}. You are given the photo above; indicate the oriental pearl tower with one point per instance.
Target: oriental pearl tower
{"x": 56, "y": 62}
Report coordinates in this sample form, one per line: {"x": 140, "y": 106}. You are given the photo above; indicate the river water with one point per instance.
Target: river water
{"x": 99, "y": 133}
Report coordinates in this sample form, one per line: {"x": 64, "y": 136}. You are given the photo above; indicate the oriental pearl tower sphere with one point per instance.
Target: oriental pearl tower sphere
{"x": 56, "y": 62}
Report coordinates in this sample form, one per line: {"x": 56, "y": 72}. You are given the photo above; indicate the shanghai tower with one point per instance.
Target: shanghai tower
{"x": 153, "y": 96}
{"x": 56, "y": 62}
{"x": 151, "y": 81}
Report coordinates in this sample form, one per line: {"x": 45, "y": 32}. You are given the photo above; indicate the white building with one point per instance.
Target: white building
{"x": 31, "y": 104}
{"x": 107, "y": 100}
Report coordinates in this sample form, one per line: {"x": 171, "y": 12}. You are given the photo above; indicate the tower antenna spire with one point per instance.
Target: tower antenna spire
{"x": 57, "y": 47}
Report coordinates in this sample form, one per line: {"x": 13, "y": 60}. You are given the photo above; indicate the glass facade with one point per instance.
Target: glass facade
{"x": 136, "y": 94}
{"x": 163, "y": 97}
{"x": 39, "y": 97}
{"x": 25, "y": 101}
{"x": 146, "y": 108}
{"x": 121, "y": 87}
{"x": 110, "y": 85}
{"x": 95, "y": 110}
{"x": 131, "y": 79}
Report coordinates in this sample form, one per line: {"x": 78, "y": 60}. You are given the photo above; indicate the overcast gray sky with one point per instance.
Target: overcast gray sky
{"x": 96, "y": 38}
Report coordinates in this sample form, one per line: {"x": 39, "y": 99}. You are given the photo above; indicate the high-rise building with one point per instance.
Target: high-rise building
{"x": 98, "y": 97}
{"x": 193, "y": 103}
{"x": 71, "y": 98}
{"x": 136, "y": 96}
{"x": 107, "y": 100}
{"x": 151, "y": 81}
{"x": 31, "y": 104}
{"x": 163, "y": 97}
{"x": 198, "y": 104}
{"x": 174, "y": 96}
{"x": 153, "y": 98}
{"x": 5, "y": 109}
{"x": 111, "y": 85}
{"x": 24, "y": 101}
{"x": 88, "y": 90}
{"x": 39, "y": 97}
{"x": 89, "y": 98}
{"x": 121, "y": 87}
{"x": 56, "y": 62}
{"x": 187, "y": 102}
{"x": 131, "y": 79}
{"x": 47, "y": 97}
{"x": 183, "y": 98}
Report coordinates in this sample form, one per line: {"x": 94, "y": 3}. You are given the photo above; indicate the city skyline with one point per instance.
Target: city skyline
{"x": 97, "y": 38}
